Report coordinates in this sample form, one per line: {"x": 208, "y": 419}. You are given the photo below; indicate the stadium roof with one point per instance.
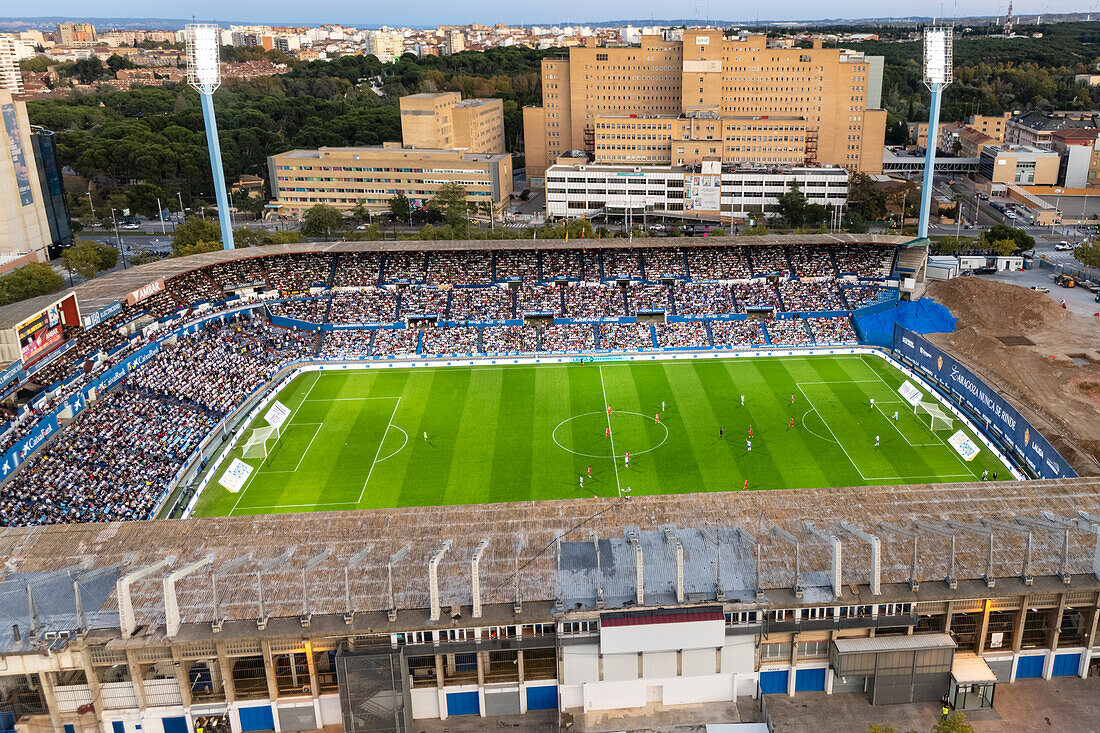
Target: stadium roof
{"x": 106, "y": 289}
{"x": 521, "y": 559}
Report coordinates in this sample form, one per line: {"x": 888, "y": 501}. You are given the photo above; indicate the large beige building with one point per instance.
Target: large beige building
{"x": 826, "y": 99}
{"x": 445, "y": 121}
{"x": 10, "y": 78}
{"x": 24, "y": 228}
{"x": 342, "y": 177}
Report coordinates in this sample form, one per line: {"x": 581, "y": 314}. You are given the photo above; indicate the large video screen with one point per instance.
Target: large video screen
{"x": 42, "y": 332}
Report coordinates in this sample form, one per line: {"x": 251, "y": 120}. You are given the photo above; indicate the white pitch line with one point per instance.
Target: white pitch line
{"x": 827, "y": 427}
{"x": 893, "y": 422}
{"x": 289, "y": 422}
{"x": 379, "y": 451}
{"x": 610, "y": 432}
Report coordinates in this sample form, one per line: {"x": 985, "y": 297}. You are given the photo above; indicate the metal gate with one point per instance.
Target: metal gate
{"x": 372, "y": 697}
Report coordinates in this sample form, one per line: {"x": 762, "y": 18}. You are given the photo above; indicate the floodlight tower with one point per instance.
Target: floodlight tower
{"x": 937, "y": 75}
{"x": 204, "y": 74}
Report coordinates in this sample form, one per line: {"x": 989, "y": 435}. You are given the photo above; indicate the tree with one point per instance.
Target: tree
{"x": 194, "y": 249}
{"x": 1088, "y": 254}
{"x": 1003, "y": 231}
{"x": 322, "y": 221}
{"x": 792, "y": 206}
{"x": 1003, "y": 247}
{"x": 88, "y": 258}
{"x": 855, "y": 223}
{"x": 29, "y": 281}
{"x": 400, "y": 207}
{"x": 249, "y": 204}
{"x": 865, "y": 198}
{"x": 144, "y": 257}
{"x": 450, "y": 199}
{"x": 195, "y": 231}
{"x": 89, "y": 70}
{"x": 116, "y": 62}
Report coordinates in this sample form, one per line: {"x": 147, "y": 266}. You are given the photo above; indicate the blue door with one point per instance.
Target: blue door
{"x": 175, "y": 725}
{"x": 463, "y": 703}
{"x": 68, "y": 728}
{"x": 809, "y": 680}
{"x": 1066, "y": 665}
{"x": 774, "y": 682}
{"x": 542, "y": 698}
{"x": 118, "y": 726}
{"x": 257, "y": 718}
{"x": 1029, "y": 668}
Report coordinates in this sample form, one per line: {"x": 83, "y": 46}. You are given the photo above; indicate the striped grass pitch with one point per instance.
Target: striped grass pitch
{"x": 417, "y": 437}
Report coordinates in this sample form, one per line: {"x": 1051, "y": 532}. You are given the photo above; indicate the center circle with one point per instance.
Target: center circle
{"x": 585, "y": 435}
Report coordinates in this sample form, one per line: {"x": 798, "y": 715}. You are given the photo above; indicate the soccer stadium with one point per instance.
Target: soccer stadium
{"x": 446, "y": 485}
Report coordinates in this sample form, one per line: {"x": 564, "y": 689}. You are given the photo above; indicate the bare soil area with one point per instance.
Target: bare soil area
{"x": 1055, "y": 381}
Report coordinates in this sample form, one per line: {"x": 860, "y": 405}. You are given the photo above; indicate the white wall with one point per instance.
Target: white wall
{"x": 425, "y": 703}
{"x": 696, "y": 662}
{"x": 658, "y": 664}
{"x": 659, "y": 637}
{"x": 330, "y": 710}
{"x": 620, "y": 667}
{"x": 739, "y": 655}
{"x": 580, "y": 664}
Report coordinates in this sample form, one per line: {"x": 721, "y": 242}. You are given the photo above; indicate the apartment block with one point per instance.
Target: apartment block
{"x": 10, "y": 77}
{"x": 386, "y": 45}
{"x": 832, "y": 94}
{"x": 1079, "y": 153}
{"x": 72, "y": 33}
{"x": 342, "y": 177}
{"x": 708, "y": 190}
{"x": 1036, "y": 129}
{"x": 1019, "y": 164}
{"x": 444, "y": 120}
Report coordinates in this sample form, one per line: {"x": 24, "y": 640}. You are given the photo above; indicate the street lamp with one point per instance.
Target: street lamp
{"x": 937, "y": 75}
{"x": 91, "y": 204}
{"x": 204, "y": 74}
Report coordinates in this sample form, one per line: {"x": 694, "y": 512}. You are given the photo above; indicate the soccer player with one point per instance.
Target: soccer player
{"x": 657, "y": 417}
{"x": 895, "y": 415}
{"x": 876, "y": 441}
{"x": 607, "y": 432}
{"x": 748, "y": 446}
{"x": 626, "y": 459}
{"x": 792, "y": 398}
{"x": 590, "y": 472}
{"x": 872, "y": 403}
{"x": 792, "y": 423}
{"x": 750, "y": 431}
{"x": 662, "y": 405}
{"x": 582, "y": 482}
{"x": 985, "y": 474}
{"x": 425, "y": 436}
{"x": 721, "y": 434}
{"x": 742, "y": 400}
{"x": 746, "y": 483}
{"x": 609, "y": 409}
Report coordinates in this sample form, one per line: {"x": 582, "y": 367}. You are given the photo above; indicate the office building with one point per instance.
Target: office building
{"x": 24, "y": 227}
{"x": 708, "y": 191}
{"x": 10, "y": 77}
{"x": 51, "y": 186}
{"x": 834, "y": 94}
{"x": 1021, "y": 165}
{"x": 342, "y": 177}
{"x": 1036, "y": 129}
{"x": 443, "y": 120}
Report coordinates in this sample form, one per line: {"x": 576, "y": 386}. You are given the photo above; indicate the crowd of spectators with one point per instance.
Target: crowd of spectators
{"x": 567, "y": 337}
{"x": 734, "y": 334}
{"x": 811, "y": 260}
{"x": 755, "y": 294}
{"x": 682, "y": 335}
{"x": 517, "y": 263}
{"x": 664, "y": 261}
{"x": 471, "y": 267}
{"x": 345, "y": 344}
{"x": 810, "y": 295}
{"x": 593, "y": 301}
{"x": 357, "y": 269}
{"x": 217, "y": 367}
{"x": 299, "y": 273}
{"x": 309, "y": 310}
{"x": 859, "y": 296}
{"x": 621, "y": 263}
{"x": 590, "y": 265}
{"x": 625, "y": 336}
{"x": 538, "y": 299}
{"x": 363, "y": 306}
{"x": 865, "y": 260}
{"x": 403, "y": 266}
{"x": 159, "y": 305}
{"x": 718, "y": 263}
{"x": 789, "y": 332}
{"x": 423, "y": 301}
{"x": 509, "y": 339}
{"x": 444, "y": 341}
{"x": 394, "y": 341}
{"x": 768, "y": 260}
{"x": 562, "y": 263}
{"x": 474, "y": 304}
{"x": 237, "y": 274}
{"x": 647, "y": 298}
{"x": 702, "y": 299}
{"x": 112, "y": 463}
{"x": 837, "y": 330}
{"x": 195, "y": 287}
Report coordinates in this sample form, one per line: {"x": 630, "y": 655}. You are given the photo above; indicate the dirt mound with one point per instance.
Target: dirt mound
{"x": 1056, "y": 394}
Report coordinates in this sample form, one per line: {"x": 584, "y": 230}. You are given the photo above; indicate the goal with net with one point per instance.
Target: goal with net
{"x": 934, "y": 416}
{"x": 260, "y": 443}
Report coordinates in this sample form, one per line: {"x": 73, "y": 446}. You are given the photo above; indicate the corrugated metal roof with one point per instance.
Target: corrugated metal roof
{"x": 968, "y": 669}
{"x": 894, "y": 643}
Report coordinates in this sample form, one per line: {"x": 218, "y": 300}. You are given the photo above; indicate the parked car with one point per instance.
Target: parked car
{"x": 1063, "y": 247}
{"x": 131, "y": 226}
{"x": 1040, "y": 288}
{"x": 1010, "y": 213}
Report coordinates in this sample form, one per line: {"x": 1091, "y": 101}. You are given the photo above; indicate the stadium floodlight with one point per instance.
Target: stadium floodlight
{"x": 938, "y": 73}
{"x": 204, "y": 74}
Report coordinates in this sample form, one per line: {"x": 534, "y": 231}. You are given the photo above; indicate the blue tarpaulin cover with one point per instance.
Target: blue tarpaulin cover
{"x": 920, "y": 316}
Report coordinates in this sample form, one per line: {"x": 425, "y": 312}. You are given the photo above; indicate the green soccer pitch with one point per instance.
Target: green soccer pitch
{"x": 414, "y": 437}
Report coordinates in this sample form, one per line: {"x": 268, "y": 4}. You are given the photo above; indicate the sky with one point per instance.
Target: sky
{"x": 374, "y": 13}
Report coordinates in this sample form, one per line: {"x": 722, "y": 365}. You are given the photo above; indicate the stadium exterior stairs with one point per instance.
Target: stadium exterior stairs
{"x": 911, "y": 262}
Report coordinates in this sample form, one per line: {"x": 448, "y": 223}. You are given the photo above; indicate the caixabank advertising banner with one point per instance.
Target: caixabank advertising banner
{"x": 1000, "y": 418}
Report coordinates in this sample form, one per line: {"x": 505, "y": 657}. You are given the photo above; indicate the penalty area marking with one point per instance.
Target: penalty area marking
{"x": 554, "y": 435}
{"x": 406, "y": 442}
